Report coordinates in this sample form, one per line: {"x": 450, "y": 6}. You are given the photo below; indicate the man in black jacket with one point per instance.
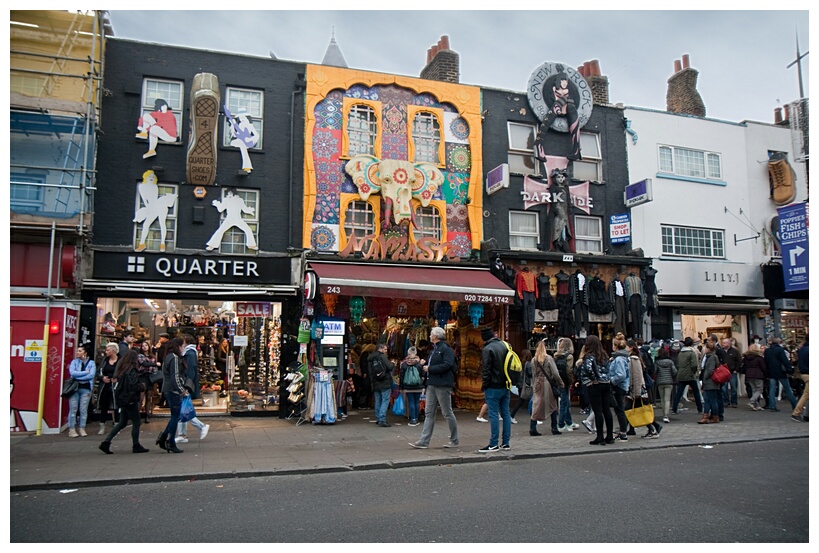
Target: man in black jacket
{"x": 779, "y": 367}
{"x": 381, "y": 369}
{"x": 440, "y": 371}
{"x": 733, "y": 359}
{"x": 495, "y": 385}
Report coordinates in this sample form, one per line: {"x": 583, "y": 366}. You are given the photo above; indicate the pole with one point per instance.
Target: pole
{"x": 44, "y": 364}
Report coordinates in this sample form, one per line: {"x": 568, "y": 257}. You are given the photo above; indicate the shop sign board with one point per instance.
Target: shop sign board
{"x": 793, "y": 239}
{"x": 620, "y": 228}
{"x": 333, "y": 328}
{"x": 638, "y": 193}
{"x": 253, "y": 309}
{"x": 497, "y": 178}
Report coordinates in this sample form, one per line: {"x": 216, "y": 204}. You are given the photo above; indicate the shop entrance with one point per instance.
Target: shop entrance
{"x": 724, "y": 325}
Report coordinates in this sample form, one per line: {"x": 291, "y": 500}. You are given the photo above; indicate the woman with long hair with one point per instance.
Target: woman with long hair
{"x": 636, "y": 366}
{"x": 564, "y": 361}
{"x": 546, "y": 384}
{"x": 105, "y": 398}
{"x": 173, "y": 387}
{"x": 127, "y": 395}
{"x": 594, "y": 375}
{"x": 147, "y": 366}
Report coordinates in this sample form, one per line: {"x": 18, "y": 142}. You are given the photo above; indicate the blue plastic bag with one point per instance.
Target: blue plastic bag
{"x": 186, "y": 410}
{"x": 398, "y": 406}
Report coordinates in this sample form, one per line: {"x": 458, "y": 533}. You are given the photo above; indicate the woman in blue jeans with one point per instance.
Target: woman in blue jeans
{"x": 173, "y": 388}
{"x": 564, "y": 360}
{"x": 82, "y": 369}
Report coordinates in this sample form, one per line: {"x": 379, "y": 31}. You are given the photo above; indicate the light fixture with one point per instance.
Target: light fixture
{"x": 54, "y": 327}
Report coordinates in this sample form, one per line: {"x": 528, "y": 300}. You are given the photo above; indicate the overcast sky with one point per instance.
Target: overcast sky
{"x": 741, "y": 56}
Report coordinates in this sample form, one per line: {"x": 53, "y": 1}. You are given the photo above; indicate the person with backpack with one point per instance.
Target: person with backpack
{"x": 381, "y": 369}
{"x": 620, "y": 378}
{"x": 779, "y": 369}
{"x": 127, "y": 391}
{"x": 687, "y": 369}
{"x": 564, "y": 358}
{"x": 411, "y": 383}
{"x": 440, "y": 376}
{"x": 594, "y": 375}
{"x": 547, "y": 386}
{"x": 638, "y": 387}
{"x": 495, "y": 384}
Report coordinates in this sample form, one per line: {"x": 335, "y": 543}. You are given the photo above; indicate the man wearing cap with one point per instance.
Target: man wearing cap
{"x": 440, "y": 372}
{"x": 161, "y": 347}
{"x": 495, "y": 386}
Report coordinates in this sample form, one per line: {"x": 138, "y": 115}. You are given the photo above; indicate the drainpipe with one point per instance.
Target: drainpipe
{"x": 298, "y": 90}
{"x": 44, "y": 364}
{"x": 630, "y": 131}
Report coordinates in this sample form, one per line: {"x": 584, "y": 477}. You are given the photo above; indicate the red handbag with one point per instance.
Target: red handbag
{"x": 721, "y": 374}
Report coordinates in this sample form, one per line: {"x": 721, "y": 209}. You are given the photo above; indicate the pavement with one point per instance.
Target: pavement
{"x": 268, "y": 446}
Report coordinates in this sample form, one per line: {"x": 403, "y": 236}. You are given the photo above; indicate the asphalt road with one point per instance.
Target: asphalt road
{"x": 748, "y": 492}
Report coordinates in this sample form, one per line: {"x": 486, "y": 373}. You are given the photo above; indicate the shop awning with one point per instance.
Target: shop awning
{"x": 402, "y": 281}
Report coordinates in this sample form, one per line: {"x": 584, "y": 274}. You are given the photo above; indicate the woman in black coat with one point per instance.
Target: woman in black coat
{"x": 173, "y": 387}
{"x": 127, "y": 391}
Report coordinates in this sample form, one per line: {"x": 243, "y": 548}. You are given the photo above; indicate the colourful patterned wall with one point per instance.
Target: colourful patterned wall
{"x": 326, "y": 180}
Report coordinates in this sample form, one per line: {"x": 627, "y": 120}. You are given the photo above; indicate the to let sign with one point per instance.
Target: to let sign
{"x": 620, "y": 228}
{"x": 793, "y": 238}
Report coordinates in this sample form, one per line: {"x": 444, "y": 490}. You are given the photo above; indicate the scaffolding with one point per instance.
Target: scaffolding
{"x": 56, "y": 68}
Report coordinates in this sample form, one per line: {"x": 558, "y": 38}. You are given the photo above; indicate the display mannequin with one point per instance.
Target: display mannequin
{"x": 545, "y": 301}
{"x": 527, "y": 291}
{"x": 579, "y": 293}
{"x": 636, "y": 300}
{"x": 565, "y": 326}
{"x": 650, "y": 289}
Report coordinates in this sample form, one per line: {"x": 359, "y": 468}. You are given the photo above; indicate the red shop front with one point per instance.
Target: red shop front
{"x": 28, "y": 349}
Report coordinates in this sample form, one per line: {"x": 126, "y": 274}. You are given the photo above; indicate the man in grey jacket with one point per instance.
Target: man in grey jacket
{"x": 440, "y": 371}
{"x": 381, "y": 369}
{"x": 687, "y": 367}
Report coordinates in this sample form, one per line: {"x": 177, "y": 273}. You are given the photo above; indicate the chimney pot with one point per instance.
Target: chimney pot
{"x": 787, "y": 114}
{"x": 429, "y": 55}
{"x": 445, "y": 42}
{"x": 677, "y": 66}
{"x": 595, "y": 66}
{"x": 685, "y": 61}
{"x": 580, "y": 70}
{"x": 777, "y": 115}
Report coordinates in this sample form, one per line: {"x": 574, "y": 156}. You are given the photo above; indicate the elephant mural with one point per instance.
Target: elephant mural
{"x": 398, "y": 181}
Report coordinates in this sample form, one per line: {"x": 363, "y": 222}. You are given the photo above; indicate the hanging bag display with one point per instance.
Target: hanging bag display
{"x": 640, "y": 414}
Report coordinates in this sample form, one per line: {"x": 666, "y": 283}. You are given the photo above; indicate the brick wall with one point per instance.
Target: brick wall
{"x": 445, "y": 66}
{"x": 682, "y": 95}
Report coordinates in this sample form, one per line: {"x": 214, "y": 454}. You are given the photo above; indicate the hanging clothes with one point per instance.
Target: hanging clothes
{"x": 599, "y": 301}
{"x": 545, "y": 301}
{"x": 324, "y": 402}
{"x": 636, "y": 301}
{"x": 565, "y": 324}
{"x": 617, "y": 294}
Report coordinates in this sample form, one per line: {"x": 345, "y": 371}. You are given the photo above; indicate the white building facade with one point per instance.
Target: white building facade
{"x": 707, "y": 228}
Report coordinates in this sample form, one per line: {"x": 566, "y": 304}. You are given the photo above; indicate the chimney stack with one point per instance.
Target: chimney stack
{"x": 682, "y": 95}
{"x": 777, "y": 115}
{"x": 442, "y": 63}
{"x": 598, "y": 83}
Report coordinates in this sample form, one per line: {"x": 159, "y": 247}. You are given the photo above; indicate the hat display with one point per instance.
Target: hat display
{"x": 487, "y": 334}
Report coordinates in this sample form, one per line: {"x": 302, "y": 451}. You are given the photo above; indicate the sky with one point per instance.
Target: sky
{"x": 741, "y": 56}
